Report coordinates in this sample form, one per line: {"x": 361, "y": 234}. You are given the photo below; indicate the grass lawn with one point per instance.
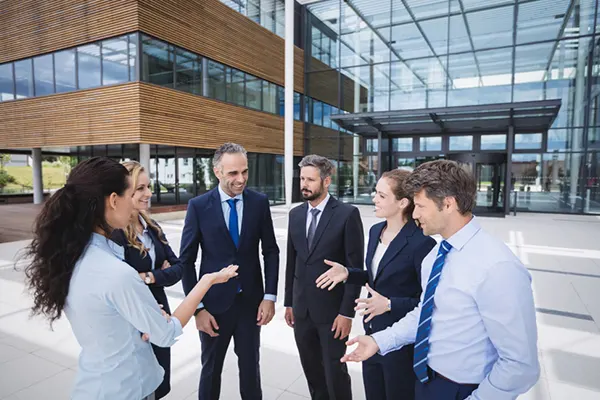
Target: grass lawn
{"x": 53, "y": 176}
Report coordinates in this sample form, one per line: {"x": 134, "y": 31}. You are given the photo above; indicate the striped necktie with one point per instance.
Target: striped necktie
{"x": 422, "y": 339}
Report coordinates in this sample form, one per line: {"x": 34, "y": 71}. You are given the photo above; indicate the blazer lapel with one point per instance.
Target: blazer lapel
{"x": 399, "y": 242}
{"x": 217, "y": 211}
{"x": 373, "y": 243}
{"x": 323, "y": 222}
{"x": 299, "y": 223}
{"x": 247, "y": 205}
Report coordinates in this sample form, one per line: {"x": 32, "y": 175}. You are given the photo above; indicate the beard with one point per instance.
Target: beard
{"x": 310, "y": 196}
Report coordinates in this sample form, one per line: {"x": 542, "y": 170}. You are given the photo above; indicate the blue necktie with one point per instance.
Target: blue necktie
{"x": 422, "y": 340}
{"x": 233, "y": 221}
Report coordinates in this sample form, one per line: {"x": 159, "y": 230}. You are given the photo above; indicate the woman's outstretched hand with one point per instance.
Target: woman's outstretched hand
{"x": 225, "y": 274}
{"x": 334, "y": 275}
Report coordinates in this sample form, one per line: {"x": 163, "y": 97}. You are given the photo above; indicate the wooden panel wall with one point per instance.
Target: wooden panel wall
{"x": 175, "y": 118}
{"x": 327, "y": 142}
{"x": 107, "y": 115}
{"x": 31, "y": 27}
{"x": 210, "y": 28}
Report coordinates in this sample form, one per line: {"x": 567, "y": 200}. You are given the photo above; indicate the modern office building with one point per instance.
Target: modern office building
{"x": 510, "y": 88}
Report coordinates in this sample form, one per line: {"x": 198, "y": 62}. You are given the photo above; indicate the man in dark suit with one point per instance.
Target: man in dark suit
{"x": 321, "y": 229}
{"x": 228, "y": 223}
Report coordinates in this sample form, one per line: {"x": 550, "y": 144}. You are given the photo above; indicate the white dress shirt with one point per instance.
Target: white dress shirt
{"x": 320, "y": 207}
{"x": 239, "y": 205}
{"x": 483, "y": 328}
{"x": 147, "y": 241}
{"x": 379, "y": 253}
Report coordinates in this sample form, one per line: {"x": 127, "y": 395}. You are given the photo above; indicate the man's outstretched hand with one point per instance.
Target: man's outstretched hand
{"x": 367, "y": 347}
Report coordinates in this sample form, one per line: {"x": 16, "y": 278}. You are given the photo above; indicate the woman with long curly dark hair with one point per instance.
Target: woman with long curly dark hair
{"x": 78, "y": 270}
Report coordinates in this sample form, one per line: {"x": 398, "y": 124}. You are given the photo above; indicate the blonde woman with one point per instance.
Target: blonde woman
{"x": 148, "y": 252}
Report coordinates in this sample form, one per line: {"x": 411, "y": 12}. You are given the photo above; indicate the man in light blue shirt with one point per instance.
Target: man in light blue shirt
{"x": 474, "y": 331}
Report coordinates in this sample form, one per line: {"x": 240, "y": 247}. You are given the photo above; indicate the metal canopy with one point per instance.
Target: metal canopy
{"x": 529, "y": 116}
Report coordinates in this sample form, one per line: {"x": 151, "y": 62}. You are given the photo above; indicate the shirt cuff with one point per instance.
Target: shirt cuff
{"x": 384, "y": 342}
{"x": 350, "y": 318}
{"x": 178, "y": 327}
{"x": 200, "y": 306}
{"x": 271, "y": 297}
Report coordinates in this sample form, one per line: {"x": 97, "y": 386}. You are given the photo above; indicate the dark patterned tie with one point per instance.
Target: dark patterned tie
{"x": 312, "y": 227}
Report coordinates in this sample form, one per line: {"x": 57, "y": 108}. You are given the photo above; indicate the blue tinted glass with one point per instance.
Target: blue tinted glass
{"x": 88, "y": 66}
{"x": 24, "y": 79}
{"x": 44, "y": 75}
{"x": 115, "y": 61}
{"x": 64, "y": 71}
{"x": 7, "y": 90}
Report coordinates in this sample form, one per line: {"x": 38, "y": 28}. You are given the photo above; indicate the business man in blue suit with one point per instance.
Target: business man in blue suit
{"x": 394, "y": 255}
{"x": 228, "y": 223}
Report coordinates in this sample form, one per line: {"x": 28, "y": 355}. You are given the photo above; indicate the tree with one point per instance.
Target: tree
{"x": 4, "y": 159}
{"x": 6, "y": 178}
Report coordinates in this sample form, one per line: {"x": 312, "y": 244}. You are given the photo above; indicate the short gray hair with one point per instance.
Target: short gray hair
{"x": 325, "y": 167}
{"x": 227, "y": 148}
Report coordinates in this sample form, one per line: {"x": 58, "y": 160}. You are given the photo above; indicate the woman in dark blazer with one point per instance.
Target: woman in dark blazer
{"x": 393, "y": 278}
{"x": 148, "y": 252}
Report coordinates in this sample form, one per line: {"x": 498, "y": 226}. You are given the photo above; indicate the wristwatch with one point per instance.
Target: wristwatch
{"x": 198, "y": 311}
{"x": 389, "y": 305}
{"x": 148, "y": 279}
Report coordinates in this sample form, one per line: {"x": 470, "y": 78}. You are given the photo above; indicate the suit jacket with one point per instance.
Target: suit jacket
{"x": 339, "y": 237}
{"x": 163, "y": 251}
{"x": 205, "y": 227}
{"x": 398, "y": 274}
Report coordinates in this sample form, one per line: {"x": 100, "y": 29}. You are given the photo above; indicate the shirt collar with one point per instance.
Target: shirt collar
{"x": 321, "y": 205}
{"x": 143, "y": 222}
{"x": 107, "y": 245}
{"x": 224, "y": 196}
{"x": 462, "y": 237}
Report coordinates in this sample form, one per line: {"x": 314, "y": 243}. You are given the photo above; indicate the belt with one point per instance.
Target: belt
{"x": 434, "y": 374}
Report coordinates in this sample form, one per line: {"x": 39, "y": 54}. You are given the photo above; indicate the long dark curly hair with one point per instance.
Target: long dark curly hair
{"x": 63, "y": 229}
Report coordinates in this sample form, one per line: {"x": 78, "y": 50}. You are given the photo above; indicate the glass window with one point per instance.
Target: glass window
{"x": 133, "y": 39}
{"x": 158, "y": 59}
{"x": 253, "y": 92}
{"x": 115, "y": 61}
{"x": 281, "y": 100}
{"x": 216, "y": 80}
{"x": 326, "y": 115}
{"x": 7, "y": 90}
{"x": 317, "y": 112}
{"x": 558, "y": 139}
{"x": 372, "y": 145}
{"x": 269, "y": 94}
{"x": 64, "y": 71}
{"x": 528, "y": 141}
{"x": 431, "y": 143}
{"x": 493, "y": 142}
{"x": 88, "y": 66}
{"x": 24, "y": 79}
{"x": 44, "y": 75}
{"x": 458, "y": 143}
{"x": 402, "y": 144}
{"x": 235, "y": 86}
{"x": 296, "y": 106}
{"x": 188, "y": 72}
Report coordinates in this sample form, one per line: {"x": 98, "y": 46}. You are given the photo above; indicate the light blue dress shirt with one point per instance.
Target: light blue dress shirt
{"x": 483, "y": 328}
{"x": 147, "y": 241}
{"x": 108, "y": 307}
{"x": 240, "y": 210}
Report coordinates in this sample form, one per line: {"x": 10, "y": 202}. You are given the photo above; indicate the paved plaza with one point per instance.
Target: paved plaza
{"x": 561, "y": 252}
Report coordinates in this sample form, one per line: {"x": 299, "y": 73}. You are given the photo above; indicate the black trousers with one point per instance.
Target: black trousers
{"x": 238, "y": 322}
{"x": 163, "y": 356}
{"x": 440, "y": 388}
{"x": 390, "y": 377}
{"x": 320, "y": 355}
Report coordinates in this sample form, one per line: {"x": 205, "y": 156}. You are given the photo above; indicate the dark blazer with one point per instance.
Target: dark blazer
{"x": 205, "y": 227}
{"x": 163, "y": 251}
{"x": 399, "y": 272}
{"x": 339, "y": 237}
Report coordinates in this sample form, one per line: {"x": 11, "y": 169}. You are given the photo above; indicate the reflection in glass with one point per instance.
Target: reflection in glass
{"x": 461, "y": 143}
{"x": 269, "y": 93}
{"x": 157, "y": 62}
{"x": 7, "y": 91}
{"x": 431, "y": 143}
{"x": 24, "y": 79}
{"x": 133, "y": 40}
{"x": 253, "y": 92}
{"x": 528, "y": 141}
{"x": 64, "y": 71}
{"x": 402, "y": 144}
{"x": 44, "y": 75}
{"x": 188, "y": 72}
{"x": 88, "y": 66}
{"x": 493, "y": 142}
{"x": 235, "y": 86}
{"x": 216, "y": 80}
{"x": 115, "y": 61}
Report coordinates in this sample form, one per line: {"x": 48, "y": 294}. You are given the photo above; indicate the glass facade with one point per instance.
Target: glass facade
{"x": 268, "y": 13}
{"x": 177, "y": 174}
{"x": 394, "y": 55}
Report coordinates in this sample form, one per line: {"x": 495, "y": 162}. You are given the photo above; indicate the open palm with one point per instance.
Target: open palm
{"x": 334, "y": 275}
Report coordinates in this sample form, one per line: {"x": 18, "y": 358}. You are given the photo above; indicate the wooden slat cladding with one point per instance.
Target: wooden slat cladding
{"x": 107, "y": 115}
{"x": 327, "y": 142}
{"x": 210, "y": 28}
{"x": 323, "y": 86}
{"x": 175, "y": 118}
{"x": 31, "y": 27}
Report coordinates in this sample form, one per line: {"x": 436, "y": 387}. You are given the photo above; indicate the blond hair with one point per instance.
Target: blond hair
{"x": 135, "y": 169}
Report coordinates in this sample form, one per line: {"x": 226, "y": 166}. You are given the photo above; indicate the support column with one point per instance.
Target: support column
{"x": 145, "y": 161}
{"x": 379, "y": 155}
{"x": 356, "y": 138}
{"x": 38, "y": 183}
{"x": 510, "y": 140}
{"x": 289, "y": 101}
